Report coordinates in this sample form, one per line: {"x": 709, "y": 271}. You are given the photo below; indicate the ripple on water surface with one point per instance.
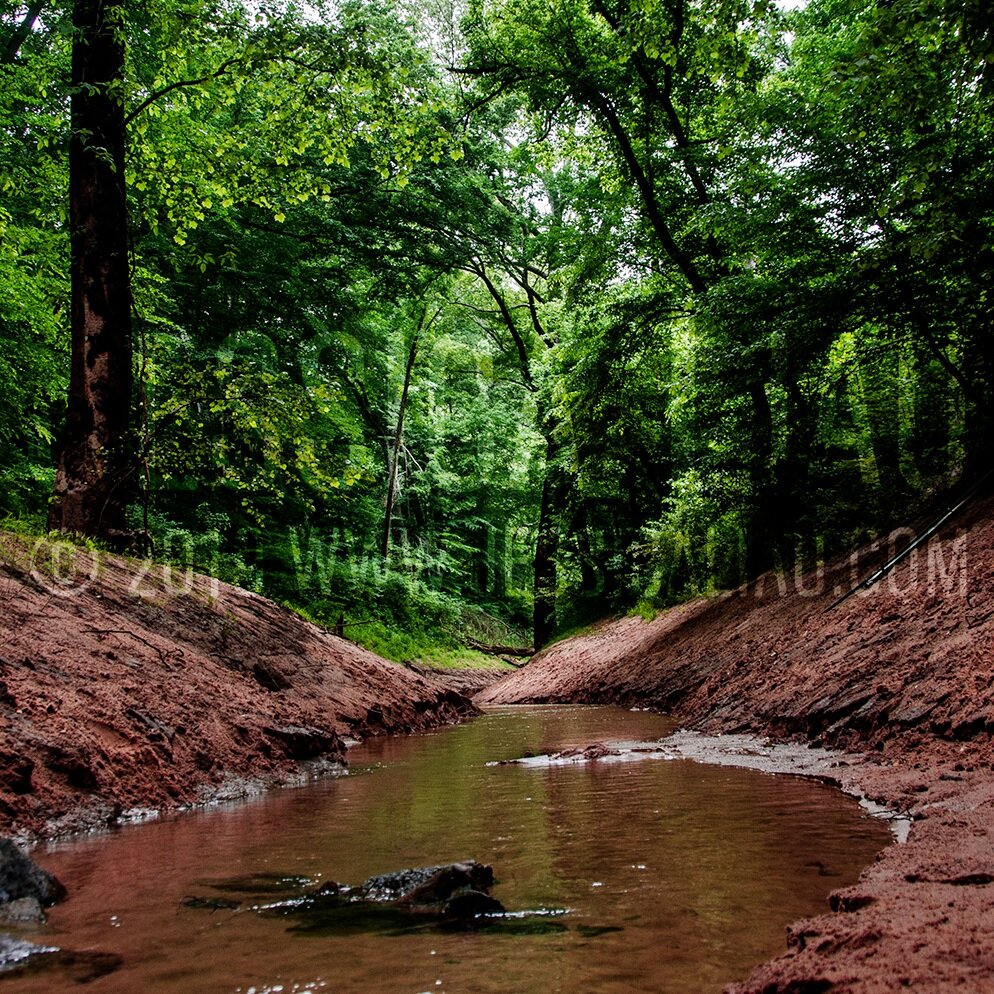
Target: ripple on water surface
{"x": 676, "y": 877}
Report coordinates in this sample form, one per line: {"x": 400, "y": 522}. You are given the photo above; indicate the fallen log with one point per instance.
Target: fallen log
{"x": 516, "y": 663}
{"x": 500, "y": 650}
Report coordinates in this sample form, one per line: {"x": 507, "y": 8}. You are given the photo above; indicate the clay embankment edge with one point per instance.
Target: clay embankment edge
{"x": 900, "y": 679}
{"x": 125, "y": 686}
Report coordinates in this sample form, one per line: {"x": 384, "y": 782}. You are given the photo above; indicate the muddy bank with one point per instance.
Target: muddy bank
{"x": 125, "y": 687}
{"x": 919, "y": 917}
{"x": 901, "y": 678}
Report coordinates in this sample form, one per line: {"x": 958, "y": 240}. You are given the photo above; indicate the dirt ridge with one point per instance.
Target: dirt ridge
{"x": 901, "y": 678}
{"x": 127, "y": 686}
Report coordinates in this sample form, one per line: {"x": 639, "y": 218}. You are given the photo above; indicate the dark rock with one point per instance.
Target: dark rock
{"x": 271, "y": 676}
{"x": 972, "y": 880}
{"x": 453, "y": 892}
{"x": 451, "y": 895}
{"x": 304, "y": 742}
{"x": 15, "y": 773}
{"x": 456, "y": 892}
{"x": 466, "y": 904}
{"x": 21, "y": 878}
{"x": 425, "y": 886}
{"x": 848, "y": 902}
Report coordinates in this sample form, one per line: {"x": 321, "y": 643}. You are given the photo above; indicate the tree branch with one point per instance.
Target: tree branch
{"x": 180, "y": 84}
{"x": 21, "y": 32}
{"x": 682, "y": 261}
{"x": 508, "y": 318}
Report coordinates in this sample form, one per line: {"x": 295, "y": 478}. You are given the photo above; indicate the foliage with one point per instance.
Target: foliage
{"x": 697, "y": 289}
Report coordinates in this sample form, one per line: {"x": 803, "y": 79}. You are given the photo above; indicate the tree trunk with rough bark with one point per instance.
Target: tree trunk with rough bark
{"x": 95, "y": 478}
{"x": 546, "y": 550}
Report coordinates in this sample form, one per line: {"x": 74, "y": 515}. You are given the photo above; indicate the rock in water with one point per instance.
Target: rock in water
{"x": 24, "y": 886}
{"x": 457, "y": 892}
{"x": 14, "y": 952}
{"x": 452, "y": 895}
{"x": 466, "y": 904}
{"x": 425, "y": 886}
{"x": 23, "y": 911}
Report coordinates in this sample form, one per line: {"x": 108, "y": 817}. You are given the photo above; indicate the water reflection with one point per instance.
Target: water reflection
{"x": 678, "y": 877}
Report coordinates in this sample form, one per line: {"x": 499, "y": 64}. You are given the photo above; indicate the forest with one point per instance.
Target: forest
{"x": 487, "y": 318}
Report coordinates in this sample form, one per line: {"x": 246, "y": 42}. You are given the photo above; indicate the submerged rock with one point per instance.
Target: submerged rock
{"x": 18, "y": 957}
{"x": 616, "y": 752}
{"x": 453, "y": 895}
{"x": 15, "y": 952}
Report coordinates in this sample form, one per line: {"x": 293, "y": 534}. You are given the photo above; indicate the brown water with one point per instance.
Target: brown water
{"x": 678, "y": 877}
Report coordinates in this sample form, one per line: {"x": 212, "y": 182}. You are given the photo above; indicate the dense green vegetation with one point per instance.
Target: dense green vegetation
{"x": 510, "y": 309}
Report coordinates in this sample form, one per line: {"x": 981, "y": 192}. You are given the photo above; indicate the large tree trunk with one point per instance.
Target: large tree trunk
{"x": 881, "y": 379}
{"x": 978, "y": 358}
{"x": 761, "y": 521}
{"x": 797, "y": 536}
{"x": 95, "y": 476}
{"x": 500, "y": 561}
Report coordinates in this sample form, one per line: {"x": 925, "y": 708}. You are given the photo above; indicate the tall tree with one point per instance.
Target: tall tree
{"x": 94, "y": 473}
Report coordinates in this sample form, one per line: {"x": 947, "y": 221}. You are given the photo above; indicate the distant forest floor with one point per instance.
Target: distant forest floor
{"x": 900, "y": 678}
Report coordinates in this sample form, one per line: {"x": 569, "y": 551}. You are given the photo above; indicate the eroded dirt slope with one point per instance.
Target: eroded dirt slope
{"x": 124, "y": 686}
{"x": 912, "y": 658}
{"x": 900, "y": 678}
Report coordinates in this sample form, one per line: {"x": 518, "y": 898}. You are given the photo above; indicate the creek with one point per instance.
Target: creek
{"x": 662, "y": 876}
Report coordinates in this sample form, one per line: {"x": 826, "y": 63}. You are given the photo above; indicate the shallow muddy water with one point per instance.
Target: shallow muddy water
{"x": 677, "y": 877}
